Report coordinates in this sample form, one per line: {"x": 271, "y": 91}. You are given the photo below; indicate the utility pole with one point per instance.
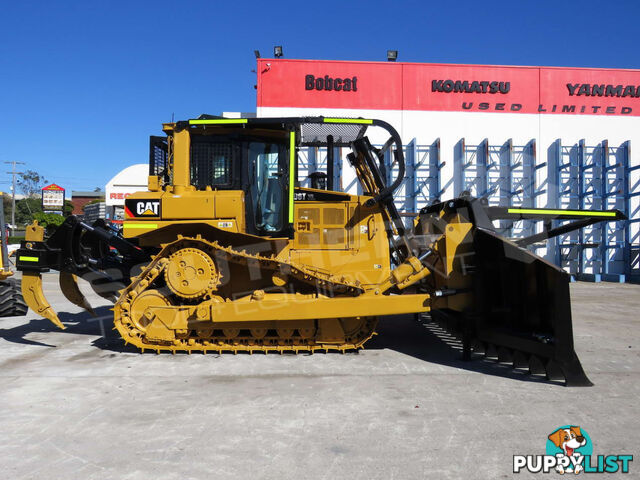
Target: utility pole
{"x": 13, "y": 191}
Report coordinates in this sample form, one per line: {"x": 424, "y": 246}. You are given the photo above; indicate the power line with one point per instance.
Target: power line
{"x": 13, "y": 172}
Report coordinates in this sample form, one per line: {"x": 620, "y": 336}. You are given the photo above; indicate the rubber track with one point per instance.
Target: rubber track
{"x": 11, "y": 302}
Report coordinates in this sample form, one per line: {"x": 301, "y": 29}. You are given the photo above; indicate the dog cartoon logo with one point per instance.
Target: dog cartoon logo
{"x": 570, "y": 450}
{"x": 571, "y": 442}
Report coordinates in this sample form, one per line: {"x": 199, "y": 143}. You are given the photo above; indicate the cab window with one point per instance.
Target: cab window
{"x": 212, "y": 164}
{"x": 267, "y": 185}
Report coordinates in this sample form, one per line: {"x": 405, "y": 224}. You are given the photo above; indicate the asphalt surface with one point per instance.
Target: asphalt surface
{"x": 75, "y": 404}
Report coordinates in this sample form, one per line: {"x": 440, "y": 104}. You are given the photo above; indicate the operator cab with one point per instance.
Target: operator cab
{"x": 232, "y": 158}
{"x": 258, "y": 157}
{"x": 257, "y": 165}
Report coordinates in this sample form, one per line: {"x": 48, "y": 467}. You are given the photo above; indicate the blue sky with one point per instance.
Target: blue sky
{"x": 83, "y": 84}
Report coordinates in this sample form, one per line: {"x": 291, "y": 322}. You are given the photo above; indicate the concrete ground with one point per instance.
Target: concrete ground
{"x": 76, "y": 406}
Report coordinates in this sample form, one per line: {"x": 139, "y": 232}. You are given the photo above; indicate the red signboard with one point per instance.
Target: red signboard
{"x": 54, "y": 187}
{"x": 285, "y": 83}
{"x": 599, "y": 92}
{"x": 53, "y": 198}
{"x": 443, "y": 87}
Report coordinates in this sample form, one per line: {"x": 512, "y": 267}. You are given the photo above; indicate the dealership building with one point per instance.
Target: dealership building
{"x": 549, "y": 137}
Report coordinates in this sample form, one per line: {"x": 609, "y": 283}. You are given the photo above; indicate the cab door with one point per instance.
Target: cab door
{"x": 267, "y": 187}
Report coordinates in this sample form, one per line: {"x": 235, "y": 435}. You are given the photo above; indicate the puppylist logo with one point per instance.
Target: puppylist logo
{"x": 570, "y": 450}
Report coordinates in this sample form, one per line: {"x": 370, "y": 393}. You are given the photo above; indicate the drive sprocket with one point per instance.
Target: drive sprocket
{"x": 191, "y": 273}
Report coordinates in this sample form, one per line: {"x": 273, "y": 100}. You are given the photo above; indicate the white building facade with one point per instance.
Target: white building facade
{"x": 129, "y": 180}
{"x": 531, "y": 136}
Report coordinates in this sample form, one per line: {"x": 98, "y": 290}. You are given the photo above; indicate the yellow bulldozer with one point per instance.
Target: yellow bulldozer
{"x": 226, "y": 252}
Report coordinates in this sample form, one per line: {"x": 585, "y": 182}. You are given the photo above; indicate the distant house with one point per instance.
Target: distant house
{"x": 80, "y": 199}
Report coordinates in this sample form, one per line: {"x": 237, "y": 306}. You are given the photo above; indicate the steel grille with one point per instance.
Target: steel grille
{"x": 211, "y": 164}
{"x": 343, "y": 134}
{"x": 159, "y": 158}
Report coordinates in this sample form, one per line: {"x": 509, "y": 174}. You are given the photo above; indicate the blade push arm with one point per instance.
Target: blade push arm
{"x": 583, "y": 218}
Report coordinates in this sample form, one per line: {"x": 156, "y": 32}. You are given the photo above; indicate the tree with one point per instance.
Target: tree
{"x": 25, "y": 209}
{"x": 50, "y": 221}
{"x": 6, "y": 203}
{"x": 30, "y": 183}
{"x": 28, "y": 209}
{"x": 68, "y": 208}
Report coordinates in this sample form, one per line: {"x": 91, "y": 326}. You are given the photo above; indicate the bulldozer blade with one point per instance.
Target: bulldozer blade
{"x": 515, "y": 304}
{"x": 523, "y": 305}
{"x": 35, "y": 299}
{"x": 521, "y": 312}
{"x": 71, "y": 291}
